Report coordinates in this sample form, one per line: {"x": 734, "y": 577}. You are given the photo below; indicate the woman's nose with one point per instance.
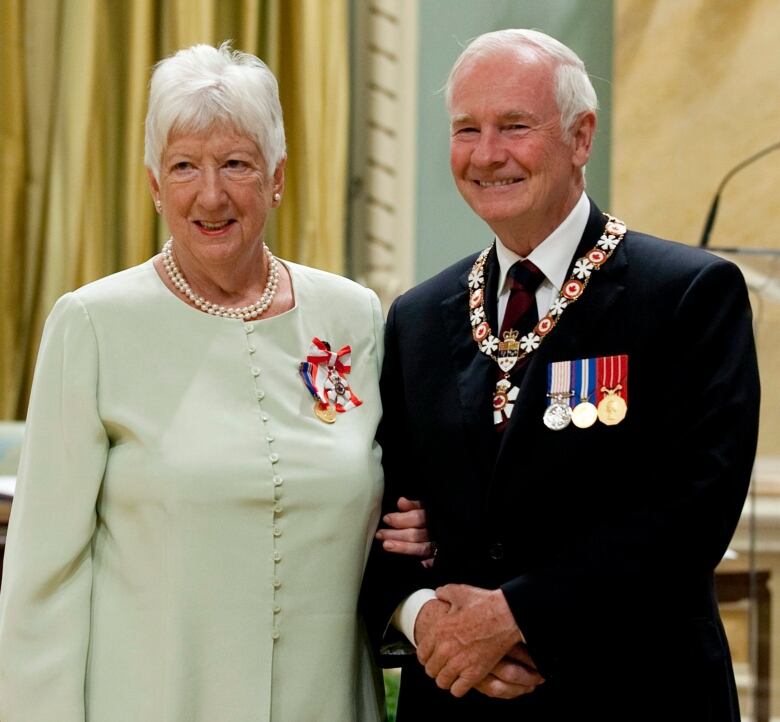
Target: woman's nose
{"x": 212, "y": 190}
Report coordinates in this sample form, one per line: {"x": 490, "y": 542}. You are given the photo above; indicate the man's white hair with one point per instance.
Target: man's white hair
{"x": 574, "y": 92}
{"x": 201, "y": 87}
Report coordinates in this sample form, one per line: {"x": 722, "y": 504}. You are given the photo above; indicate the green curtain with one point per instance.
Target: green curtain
{"x": 74, "y": 198}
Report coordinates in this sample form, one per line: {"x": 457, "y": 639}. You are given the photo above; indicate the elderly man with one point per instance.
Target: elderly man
{"x": 577, "y": 524}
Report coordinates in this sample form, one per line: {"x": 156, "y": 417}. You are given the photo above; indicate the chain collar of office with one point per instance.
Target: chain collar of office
{"x": 509, "y": 351}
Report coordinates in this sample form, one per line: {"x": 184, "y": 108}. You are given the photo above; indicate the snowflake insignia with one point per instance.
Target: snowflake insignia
{"x": 558, "y": 306}
{"x": 488, "y": 345}
{"x": 530, "y": 342}
{"x": 582, "y": 268}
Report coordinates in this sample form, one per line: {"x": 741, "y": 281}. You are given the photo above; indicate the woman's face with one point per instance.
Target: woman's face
{"x": 215, "y": 193}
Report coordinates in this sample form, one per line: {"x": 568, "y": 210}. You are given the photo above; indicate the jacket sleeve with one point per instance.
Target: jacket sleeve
{"x": 390, "y": 578}
{"x": 47, "y": 579}
{"x": 696, "y": 474}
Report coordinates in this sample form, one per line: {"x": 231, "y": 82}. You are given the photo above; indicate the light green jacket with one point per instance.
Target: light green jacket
{"x": 187, "y": 539}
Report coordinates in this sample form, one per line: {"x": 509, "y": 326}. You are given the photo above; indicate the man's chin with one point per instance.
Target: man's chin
{"x": 497, "y": 215}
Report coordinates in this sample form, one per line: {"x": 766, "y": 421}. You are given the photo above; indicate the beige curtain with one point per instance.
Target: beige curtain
{"x": 73, "y": 197}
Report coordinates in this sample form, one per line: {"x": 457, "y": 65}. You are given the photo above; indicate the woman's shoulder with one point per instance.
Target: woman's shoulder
{"x": 120, "y": 294}
{"x": 122, "y": 285}
{"x": 326, "y": 285}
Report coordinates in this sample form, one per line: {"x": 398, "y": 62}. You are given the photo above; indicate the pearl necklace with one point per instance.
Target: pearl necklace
{"x": 242, "y": 312}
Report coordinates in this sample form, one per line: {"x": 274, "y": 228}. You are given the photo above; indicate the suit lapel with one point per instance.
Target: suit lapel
{"x": 474, "y": 372}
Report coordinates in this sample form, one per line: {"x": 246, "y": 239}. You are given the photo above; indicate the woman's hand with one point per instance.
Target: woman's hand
{"x": 407, "y": 532}
{"x": 514, "y": 675}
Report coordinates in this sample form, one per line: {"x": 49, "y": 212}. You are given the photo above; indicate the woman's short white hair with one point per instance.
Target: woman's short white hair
{"x": 200, "y": 87}
{"x": 574, "y": 92}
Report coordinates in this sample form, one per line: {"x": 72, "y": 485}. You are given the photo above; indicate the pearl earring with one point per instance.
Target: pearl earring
{"x": 158, "y": 205}
{"x": 277, "y": 197}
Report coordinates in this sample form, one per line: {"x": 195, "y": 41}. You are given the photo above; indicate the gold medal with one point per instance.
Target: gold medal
{"x": 613, "y": 374}
{"x": 324, "y": 412}
{"x": 612, "y": 408}
{"x": 584, "y": 415}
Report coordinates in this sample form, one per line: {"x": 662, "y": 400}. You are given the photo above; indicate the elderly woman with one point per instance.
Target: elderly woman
{"x": 200, "y": 483}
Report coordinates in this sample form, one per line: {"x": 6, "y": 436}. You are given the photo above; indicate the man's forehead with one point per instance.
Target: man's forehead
{"x": 505, "y": 84}
{"x": 507, "y": 58}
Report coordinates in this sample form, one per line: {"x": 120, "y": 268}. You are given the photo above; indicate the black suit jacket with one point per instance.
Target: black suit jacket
{"x": 604, "y": 539}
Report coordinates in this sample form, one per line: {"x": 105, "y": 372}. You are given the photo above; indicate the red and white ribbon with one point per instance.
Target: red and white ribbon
{"x": 324, "y": 373}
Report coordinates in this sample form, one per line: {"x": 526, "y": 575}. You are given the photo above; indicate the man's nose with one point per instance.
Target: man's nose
{"x": 212, "y": 189}
{"x": 490, "y": 148}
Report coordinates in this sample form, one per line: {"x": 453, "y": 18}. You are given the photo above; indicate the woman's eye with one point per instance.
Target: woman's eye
{"x": 182, "y": 165}
{"x": 235, "y": 164}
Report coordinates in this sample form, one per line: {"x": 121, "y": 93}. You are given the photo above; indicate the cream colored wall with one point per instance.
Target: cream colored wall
{"x": 697, "y": 90}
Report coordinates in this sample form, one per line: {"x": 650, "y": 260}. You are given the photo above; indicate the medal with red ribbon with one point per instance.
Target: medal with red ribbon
{"x": 612, "y": 389}
{"x": 324, "y": 372}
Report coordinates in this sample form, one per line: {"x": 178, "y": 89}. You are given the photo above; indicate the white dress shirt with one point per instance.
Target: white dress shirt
{"x": 552, "y": 257}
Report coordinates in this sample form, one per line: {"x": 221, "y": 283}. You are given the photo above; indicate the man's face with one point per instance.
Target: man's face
{"x": 509, "y": 156}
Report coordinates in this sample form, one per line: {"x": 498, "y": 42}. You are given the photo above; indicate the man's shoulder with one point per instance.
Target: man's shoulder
{"x": 666, "y": 257}
{"x": 443, "y": 285}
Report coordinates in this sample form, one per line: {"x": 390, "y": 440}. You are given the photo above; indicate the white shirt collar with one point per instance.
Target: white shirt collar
{"x": 554, "y": 254}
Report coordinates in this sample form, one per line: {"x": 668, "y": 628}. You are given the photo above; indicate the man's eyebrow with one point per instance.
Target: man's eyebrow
{"x": 510, "y": 115}
{"x": 517, "y": 115}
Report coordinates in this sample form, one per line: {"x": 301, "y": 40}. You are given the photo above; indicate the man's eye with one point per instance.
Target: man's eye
{"x": 182, "y": 165}
{"x": 235, "y": 164}
{"x": 467, "y": 129}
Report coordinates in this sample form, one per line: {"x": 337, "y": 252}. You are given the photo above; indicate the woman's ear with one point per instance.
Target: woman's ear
{"x": 154, "y": 188}
{"x": 278, "y": 180}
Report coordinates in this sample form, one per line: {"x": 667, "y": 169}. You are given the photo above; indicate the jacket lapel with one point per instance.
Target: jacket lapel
{"x": 474, "y": 372}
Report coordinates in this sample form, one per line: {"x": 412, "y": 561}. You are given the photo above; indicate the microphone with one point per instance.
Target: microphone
{"x": 710, "y": 221}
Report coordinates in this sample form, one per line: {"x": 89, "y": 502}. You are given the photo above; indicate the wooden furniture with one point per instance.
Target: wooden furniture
{"x": 753, "y": 587}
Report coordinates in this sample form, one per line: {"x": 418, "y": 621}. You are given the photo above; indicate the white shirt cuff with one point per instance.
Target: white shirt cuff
{"x": 406, "y": 612}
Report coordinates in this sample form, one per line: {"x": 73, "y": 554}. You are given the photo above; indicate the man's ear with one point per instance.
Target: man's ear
{"x": 583, "y": 131}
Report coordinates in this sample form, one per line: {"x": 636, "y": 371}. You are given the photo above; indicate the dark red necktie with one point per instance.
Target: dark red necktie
{"x": 521, "y": 313}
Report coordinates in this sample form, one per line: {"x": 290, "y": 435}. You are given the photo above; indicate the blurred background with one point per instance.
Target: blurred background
{"x": 689, "y": 92}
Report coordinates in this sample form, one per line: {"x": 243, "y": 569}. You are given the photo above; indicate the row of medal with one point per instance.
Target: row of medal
{"x": 584, "y": 391}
